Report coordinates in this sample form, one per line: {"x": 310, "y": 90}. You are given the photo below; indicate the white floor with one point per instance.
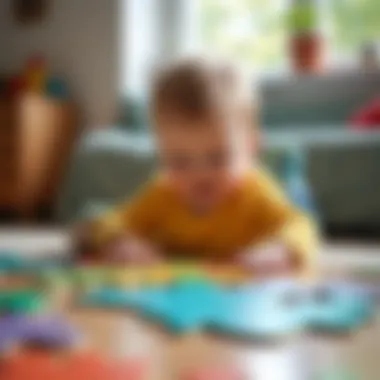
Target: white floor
{"x": 34, "y": 241}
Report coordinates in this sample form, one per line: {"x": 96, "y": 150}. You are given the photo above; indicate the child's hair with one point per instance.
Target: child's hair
{"x": 195, "y": 88}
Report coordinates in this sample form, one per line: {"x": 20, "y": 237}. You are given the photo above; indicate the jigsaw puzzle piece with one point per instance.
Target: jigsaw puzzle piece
{"x": 22, "y": 302}
{"x": 214, "y": 372}
{"x": 52, "y": 278}
{"x": 42, "y": 330}
{"x": 152, "y": 301}
{"x": 185, "y": 306}
{"x": 130, "y": 369}
{"x": 155, "y": 275}
{"x": 159, "y": 275}
{"x": 343, "y": 373}
{"x": 89, "y": 365}
{"x": 8, "y": 333}
{"x": 339, "y": 308}
{"x": 50, "y": 331}
{"x": 13, "y": 263}
{"x": 225, "y": 274}
{"x": 187, "y": 271}
{"x": 264, "y": 312}
{"x": 126, "y": 277}
{"x": 9, "y": 261}
{"x": 89, "y": 277}
{"x": 113, "y": 298}
{"x": 25, "y": 366}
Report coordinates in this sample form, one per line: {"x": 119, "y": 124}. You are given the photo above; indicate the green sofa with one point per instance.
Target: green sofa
{"x": 308, "y": 116}
{"x": 343, "y": 165}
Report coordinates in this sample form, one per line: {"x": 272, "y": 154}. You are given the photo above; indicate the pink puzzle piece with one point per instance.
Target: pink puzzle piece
{"x": 219, "y": 372}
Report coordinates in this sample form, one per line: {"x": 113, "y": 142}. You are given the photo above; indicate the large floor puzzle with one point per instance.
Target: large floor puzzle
{"x": 258, "y": 311}
{"x": 188, "y": 296}
{"x": 261, "y": 311}
{"x": 278, "y": 309}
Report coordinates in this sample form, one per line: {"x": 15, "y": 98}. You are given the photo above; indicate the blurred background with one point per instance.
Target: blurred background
{"x": 74, "y": 127}
{"x": 75, "y": 131}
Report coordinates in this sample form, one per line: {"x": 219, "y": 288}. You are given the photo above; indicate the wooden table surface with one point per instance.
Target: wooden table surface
{"x": 120, "y": 334}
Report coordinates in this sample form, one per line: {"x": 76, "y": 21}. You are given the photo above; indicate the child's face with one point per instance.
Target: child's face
{"x": 204, "y": 160}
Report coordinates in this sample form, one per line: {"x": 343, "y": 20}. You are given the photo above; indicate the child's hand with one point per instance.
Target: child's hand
{"x": 273, "y": 259}
{"x": 120, "y": 249}
{"x": 82, "y": 241}
{"x": 131, "y": 250}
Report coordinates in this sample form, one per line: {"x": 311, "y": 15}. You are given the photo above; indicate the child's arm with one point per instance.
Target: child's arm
{"x": 124, "y": 232}
{"x": 290, "y": 237}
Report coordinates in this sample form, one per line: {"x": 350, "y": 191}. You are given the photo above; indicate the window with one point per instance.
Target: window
{"x": 255, "y": 31}
{"x": 353, "y": 23}
{"x": 249, "y": 30}
{"x": 252, "y": 31}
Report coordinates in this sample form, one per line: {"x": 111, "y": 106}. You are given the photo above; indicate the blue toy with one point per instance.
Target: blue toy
{"x": 56, "y": 88}
{"x": 339, "y": 308}
{"x": 13, "y": 263}
{"x": 263, "y": 312}
{"x": 42, "y": 330}
{"x": 185, "y": 306}
{"x": 115, "y": 298}
{"x": 267, "y": 311}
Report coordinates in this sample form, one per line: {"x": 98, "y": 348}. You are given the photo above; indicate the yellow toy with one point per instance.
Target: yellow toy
{"x": 36, "y": 74}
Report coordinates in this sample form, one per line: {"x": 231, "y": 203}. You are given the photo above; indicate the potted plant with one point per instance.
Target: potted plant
{"x": 306, "y": 42}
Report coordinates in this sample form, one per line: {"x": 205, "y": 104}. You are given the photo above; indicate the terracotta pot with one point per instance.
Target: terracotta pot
{"x": 306, "y": 53}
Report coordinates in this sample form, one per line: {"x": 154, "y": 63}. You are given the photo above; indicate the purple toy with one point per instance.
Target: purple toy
{"x": 47, "y": 331}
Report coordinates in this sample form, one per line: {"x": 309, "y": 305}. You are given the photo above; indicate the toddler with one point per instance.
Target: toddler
{"x": 210, "y": 198}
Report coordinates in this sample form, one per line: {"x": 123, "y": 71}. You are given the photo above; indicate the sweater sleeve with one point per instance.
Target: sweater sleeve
{"x": 283, "y": 221}
{"x": 137, "y": 217}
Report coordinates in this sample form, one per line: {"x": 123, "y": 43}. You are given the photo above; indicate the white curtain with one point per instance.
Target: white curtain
{"x": 152, "y": 31}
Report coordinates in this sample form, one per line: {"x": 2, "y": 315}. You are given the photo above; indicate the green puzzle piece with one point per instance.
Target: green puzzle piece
{"x": 337, "y": 374}
{"x": 53, "y": 277}
{"x": 88, "y": 278}
{"x": 188, "y": 272}
{"x": 21, "y": 302}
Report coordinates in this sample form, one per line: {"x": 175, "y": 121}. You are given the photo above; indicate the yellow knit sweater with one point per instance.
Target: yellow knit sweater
{"x": 257, "y": 212}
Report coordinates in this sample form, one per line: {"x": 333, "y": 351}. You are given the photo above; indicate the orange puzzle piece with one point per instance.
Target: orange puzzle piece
{"x": 77, "y": 366}
{"x": 214, "y": 373}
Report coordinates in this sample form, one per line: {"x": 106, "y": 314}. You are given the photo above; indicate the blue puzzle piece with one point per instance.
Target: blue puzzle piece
{"x": 11, "y": 262}
{"x": 113, "y": 298}
{"x": 267, "y": 311}
{"x": 146, "y": 301}
{"x": 152, "y": 301}
{"x": 185, "y": 306}
{"x": 339, "y": 308}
